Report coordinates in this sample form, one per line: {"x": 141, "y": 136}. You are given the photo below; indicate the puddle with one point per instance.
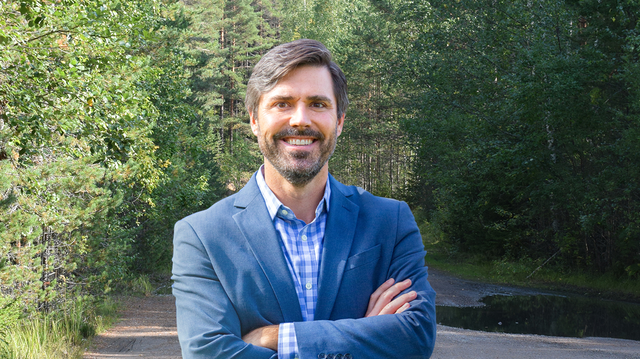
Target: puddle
{"x": 547, "y": 315}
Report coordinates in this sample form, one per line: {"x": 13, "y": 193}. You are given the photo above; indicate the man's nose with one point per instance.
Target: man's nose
{"x": 301, "y": 117}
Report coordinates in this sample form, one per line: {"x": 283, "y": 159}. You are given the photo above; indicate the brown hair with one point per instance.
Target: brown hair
{"x": 282, "y": 59}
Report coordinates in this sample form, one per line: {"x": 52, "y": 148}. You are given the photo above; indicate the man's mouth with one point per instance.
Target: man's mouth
{"x": 298, "y": 137}
{"x": 298, "y": 141}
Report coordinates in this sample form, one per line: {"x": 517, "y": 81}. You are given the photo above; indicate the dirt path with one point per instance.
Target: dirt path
{"x": 148, "y": 330}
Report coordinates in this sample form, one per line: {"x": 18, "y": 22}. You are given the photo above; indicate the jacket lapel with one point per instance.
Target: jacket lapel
{"x": 256, "y": 226}
{"x": 338, "y": 237}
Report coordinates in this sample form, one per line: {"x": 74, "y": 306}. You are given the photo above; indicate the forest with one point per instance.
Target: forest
{"x": 512, "y": 128}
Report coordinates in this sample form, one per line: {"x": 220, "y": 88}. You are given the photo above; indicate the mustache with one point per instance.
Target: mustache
{"x": 290, "y": 131}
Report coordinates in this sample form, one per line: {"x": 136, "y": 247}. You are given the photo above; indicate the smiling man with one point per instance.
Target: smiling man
{"x": 296, "y": 264}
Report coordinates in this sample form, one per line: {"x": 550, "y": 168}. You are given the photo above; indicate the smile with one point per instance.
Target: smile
{"x": 298, "y": 141}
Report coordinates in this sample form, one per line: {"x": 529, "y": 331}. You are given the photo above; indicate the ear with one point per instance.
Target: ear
{"x": 340, "y": 124}
{"x": 254, "y": 124}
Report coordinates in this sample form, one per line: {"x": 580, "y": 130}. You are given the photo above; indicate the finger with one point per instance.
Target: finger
{"x": 388, "y": 296}
{"x": 398, "y": 303}
{"x": 374, "y": 297}
{"x": 403, "y": 308}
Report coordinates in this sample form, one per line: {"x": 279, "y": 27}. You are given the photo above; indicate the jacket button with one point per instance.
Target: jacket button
{"x": 330, "y": 356}
{"x": 322, "y": 356}
{"x": 338, "y": 356}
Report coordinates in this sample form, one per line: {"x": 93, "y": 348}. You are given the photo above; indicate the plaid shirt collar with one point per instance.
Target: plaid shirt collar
{"x": 273, "y": 203}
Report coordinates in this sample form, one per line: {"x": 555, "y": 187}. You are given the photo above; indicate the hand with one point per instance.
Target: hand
{"x": 266, "y": 337}
{"x": 385, "y": 299}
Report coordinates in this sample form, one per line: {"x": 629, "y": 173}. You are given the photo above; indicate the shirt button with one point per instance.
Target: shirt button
{"x": 309, "y": 285}
{"x": 284, "y": 212}
{"x": 304, "y": 238}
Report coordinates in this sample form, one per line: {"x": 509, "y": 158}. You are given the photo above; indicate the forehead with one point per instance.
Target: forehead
{"x": 304, "y": 82}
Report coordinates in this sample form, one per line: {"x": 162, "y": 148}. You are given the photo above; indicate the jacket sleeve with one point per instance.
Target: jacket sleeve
{"x": 410, "y": 334}
{"x": 208, "y": 324}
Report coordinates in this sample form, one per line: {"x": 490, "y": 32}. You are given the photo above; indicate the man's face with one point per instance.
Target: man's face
{"x": 297, "y": 124}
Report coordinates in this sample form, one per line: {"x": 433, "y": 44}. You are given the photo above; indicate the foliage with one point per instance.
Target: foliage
{"x": 89, "y": 94}
{"x": 185, "y": 152}
{"x": 526, "y": 121}
{"x": 224, "y": 40}
{"x": 72, "y": 123}
{"x": 142, "y": 285}
{"x": 62, "y": 334}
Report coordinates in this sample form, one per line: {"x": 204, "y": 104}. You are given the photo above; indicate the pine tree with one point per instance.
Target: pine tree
{"x": 227, "y": 39}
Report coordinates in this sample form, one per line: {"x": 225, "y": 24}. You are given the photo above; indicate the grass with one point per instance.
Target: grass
{"x": 148, "y": 285}
{"x": 528, "y": 273}
{"x": 67, "y": 332}
{"x": 142, "y": 286}
{"x": 535, "y": 273}
{"x": 62, "y": 334}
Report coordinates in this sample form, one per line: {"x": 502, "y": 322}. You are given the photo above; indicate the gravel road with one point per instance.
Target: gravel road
{"x": 148, "y": 330}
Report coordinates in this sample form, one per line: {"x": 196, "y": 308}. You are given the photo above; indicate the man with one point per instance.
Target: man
{"x": 296, "y": 264}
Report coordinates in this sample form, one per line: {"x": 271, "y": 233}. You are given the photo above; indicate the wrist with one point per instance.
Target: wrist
{"x": 269, "y": 337}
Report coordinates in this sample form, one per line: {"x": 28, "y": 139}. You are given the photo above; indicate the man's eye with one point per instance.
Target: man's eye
{"x": 281, "y": 104}
{"x": 319, "y": 105}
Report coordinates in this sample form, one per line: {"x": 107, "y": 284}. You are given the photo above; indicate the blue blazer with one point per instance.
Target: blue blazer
{"x": 230, "y": 277}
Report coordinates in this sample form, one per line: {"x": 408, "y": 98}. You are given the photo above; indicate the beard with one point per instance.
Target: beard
{"x": 298, "y": 167}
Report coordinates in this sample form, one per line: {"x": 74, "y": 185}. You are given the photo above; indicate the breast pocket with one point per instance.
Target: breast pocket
{"x": 370, "y": 255}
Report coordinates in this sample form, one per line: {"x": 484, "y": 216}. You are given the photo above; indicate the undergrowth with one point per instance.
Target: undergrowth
{"x": 536, "y": 273}
{"x": 148, "y": 284}
{"x": 64, "y": 333}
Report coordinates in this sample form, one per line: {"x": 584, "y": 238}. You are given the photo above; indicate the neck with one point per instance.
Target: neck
{"x": 303, "y": 200}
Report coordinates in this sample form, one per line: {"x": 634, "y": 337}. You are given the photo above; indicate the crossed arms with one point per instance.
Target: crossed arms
{"x": 385, "y": 300}
{"x": 234, "y": 314}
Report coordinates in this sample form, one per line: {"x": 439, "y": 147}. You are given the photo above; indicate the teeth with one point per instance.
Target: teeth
{"x": 299, "y": 142}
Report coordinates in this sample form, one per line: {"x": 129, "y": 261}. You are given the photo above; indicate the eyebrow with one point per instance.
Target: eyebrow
{"x": 281, "y": 98}
{"x": 315, "y": 98}
{"x": 319, "y": 98}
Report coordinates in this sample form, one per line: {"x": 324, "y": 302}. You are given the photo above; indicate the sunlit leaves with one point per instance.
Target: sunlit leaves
{"x": 74, "y": 133}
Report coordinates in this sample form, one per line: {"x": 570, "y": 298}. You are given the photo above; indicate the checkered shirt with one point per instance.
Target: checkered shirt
{"x": 302, "y": 247}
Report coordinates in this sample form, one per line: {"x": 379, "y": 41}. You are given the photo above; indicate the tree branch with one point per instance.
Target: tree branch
{"x": 51, "y": 32}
